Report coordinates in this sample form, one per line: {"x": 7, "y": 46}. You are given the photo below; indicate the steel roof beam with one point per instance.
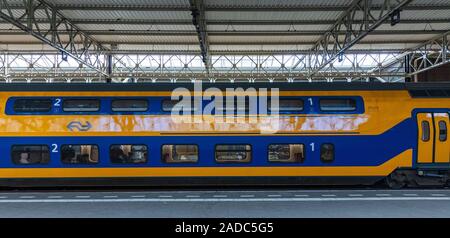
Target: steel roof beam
{"x": 229, "y": 33}
{"x": 229, "y": 22}
{"x": 182, "y": 8}
{"x": 199, "y": 21}
{"x": 76, "y": 44}
{"x": 332, "y": 44}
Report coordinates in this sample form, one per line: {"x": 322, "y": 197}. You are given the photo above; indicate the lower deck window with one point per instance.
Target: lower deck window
{"x": 128, "y": 154}
{"x": 180, "y": 153}
{"x": 30, "y": 154}
{"x": 289, "y": 153}
{"x": 233, "y": 153}
{"x": 79, "y": 154}
{"x": 327, "y": 153}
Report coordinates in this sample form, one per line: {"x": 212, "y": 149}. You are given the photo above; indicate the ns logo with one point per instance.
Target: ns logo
{"x": 79, "y": 126}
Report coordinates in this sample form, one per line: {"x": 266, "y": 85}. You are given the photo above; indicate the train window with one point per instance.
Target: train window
{"x": 233, "y": 105}
{"x": 327, "y": 153}
{"x": 289, "y": 153}
{"x": 180, "y": 153}
{"x": 425, "y": 131}
{"x": 32, "y": 105}
{"x": 233, "y": 153}
{"x": 337, "y": 104}
{"x": 79, "y": 154}
{"x": 81, "y": 105}
{"x": 168, "y": 105}
{"x": 30, "y": 154}
{"x": 128, "y": 154}
{"x": 129, "y": 105}
{"x": 287, "y": 105}
{"x": 442, "y": 131}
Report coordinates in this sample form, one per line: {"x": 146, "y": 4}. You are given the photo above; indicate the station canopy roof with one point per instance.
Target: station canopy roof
{"x": 233, "y": 26}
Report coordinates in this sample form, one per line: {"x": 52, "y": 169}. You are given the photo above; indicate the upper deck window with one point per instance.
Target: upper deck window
{"x": 81, "y": 105}
{"x": 129, "y": 105}
{"x": 236, "y": 104}
{"x": 286, "y": 105}
{"x": 169, "y": 105}
{"x": 345, "y": 104}
{"x": 32, "y": 105}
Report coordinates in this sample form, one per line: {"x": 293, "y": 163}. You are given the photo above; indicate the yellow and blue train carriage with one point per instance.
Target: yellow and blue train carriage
{"x": 123, "y": 134}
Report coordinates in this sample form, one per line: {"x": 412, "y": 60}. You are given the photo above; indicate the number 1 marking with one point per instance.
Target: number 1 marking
{"x": 312, "y": 146}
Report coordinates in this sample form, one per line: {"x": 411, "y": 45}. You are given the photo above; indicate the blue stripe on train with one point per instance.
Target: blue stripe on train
{"x": 350, "y": 150}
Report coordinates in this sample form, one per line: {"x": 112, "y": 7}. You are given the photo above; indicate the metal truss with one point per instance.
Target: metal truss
{"x": 358, "y": 21}
{"x": 43, "y": 21}
{"x": 188, "y": 68}
{"x": 199, "y": 21}
{"x": 428, "y": 55}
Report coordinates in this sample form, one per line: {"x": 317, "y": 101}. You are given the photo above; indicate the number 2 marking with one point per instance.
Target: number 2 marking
{"x": 54, "y": 148}
{"x": 57, "y": 102}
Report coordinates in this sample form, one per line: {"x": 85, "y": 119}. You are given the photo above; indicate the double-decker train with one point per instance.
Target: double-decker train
{"x": 125, "y": 134}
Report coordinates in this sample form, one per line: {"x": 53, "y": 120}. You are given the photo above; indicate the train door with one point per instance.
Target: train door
{"x": 433, "y": 144}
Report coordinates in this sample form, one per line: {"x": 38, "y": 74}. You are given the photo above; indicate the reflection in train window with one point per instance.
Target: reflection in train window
{"x": 327, "y": 153}
{"x": 32, "y": 105}
{"x": 442, "y": 131}
{"x": 289, "y": 153}
{"x": 337, "y": 104}
{"x": 81, "y": 105}
{"x": 425, "y": 131}
{"x": 30, "y": 154}
{"x": 180, "y": 153}
{"x": 128, "y": 154}
{"x": 286, "y": 105}
{"x": 79, "y": 154}
{"x": 129, "y": 105}
{"x": 233, "y": 153}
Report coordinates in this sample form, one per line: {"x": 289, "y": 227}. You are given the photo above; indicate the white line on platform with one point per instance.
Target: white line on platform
{"x": 192, "y": 196}
{"x": 328, "y": 195}
{"x": 3, "y": 197}
{"x": 383, "y": 195}
{"x": 301, "y": 195}
{"x": 55, "y": 197}
{"x": 410, "y": 194}
{"x": 165, "y": 196}
{"x": 27, "y": 196}
{"x": 220, "y": 196}
{"x": 138, "y": 196}
{"x": 247, "y": 196}
{"x": 111, "y": 196}
{"x": 355, "y": 195}
{"x": 273, "y": 195}
{"x": 331, "y": 199}
{"x": 82, "y": 196}
{"x": 437, "y": 194}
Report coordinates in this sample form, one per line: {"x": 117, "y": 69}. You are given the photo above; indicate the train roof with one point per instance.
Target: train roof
{"x": 303, "y": 86}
